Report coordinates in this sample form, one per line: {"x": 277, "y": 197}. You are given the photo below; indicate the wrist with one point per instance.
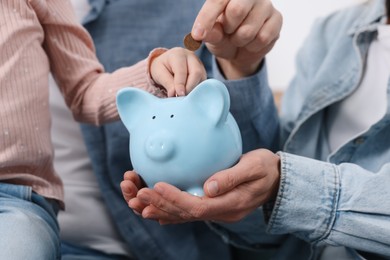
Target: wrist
{"x": 233, "y": 71}
{"x": 152, "y": 56}
{"x": 160, "y": 91}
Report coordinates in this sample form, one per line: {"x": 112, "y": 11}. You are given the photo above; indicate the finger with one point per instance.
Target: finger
{"x": 238, "y": 203}
{"x": 216, "y": 35}
{"x": 223, "y": 50}
{"x": 207, "y": 17}
{"x": 152, "y": 212}
{"x": 268, "y": 34}
{"x": 218, "y": 43}
{"x": 129, "y": 190}
{"x": 197, "y": 73}
{"x": 137, "y": 205}
{"x": 224, "y": 181}
{"x": 183, "y": 207}
{"x": 168, "y": 203}
{"x": 187, "y": 206}
{"x": 235, "y": 13}
{"x": 165, "y": 79}
{"x": 246, "y": 170}
{"x": 180, "y": 73}
{"x": 251, "y": 26}
{"x": 133, "y": 177}
{"x": 160, "y": 73}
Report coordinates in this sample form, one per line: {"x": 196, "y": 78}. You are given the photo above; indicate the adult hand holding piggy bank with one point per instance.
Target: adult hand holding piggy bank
{"x": 181, "y": 140}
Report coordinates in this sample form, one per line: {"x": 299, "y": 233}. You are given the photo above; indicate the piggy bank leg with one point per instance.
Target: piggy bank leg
{"x": 196, "y": 191}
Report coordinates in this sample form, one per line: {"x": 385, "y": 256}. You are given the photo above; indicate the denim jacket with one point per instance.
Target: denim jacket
{"x": 340, "y": 198}
{"x": 124, "y": 32}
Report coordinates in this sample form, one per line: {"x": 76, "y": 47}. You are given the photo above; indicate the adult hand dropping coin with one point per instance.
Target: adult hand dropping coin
{"x": 238, "y": 32}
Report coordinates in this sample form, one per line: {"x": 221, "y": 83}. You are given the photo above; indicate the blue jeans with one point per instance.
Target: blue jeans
{"x": 28, "y": 225}
{"x": 73, "y": 252}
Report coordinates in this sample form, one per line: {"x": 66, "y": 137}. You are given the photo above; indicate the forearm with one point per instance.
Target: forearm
{"x": 232, "y": 71}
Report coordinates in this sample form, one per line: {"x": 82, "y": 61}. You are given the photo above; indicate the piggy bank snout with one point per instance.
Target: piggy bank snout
{"x": 160, "y": 146}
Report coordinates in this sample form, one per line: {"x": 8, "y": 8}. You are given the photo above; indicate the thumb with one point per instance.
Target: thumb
{"x": 222, "y": 182}
{"x": 247, "y": 169}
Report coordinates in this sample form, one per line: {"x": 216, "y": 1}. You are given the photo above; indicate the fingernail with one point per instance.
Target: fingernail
{"x": 198, "y": 32}
{"x": 212, "y": 188}
{"x": 159, "y": 189}
{"x": 136, "y": 212}
{"x": 147, "y": 214}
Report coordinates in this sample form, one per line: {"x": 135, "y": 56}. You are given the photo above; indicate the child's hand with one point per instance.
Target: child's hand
{"x": 178, "y": 70}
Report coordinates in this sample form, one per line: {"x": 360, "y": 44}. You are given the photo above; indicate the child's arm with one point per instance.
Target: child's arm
{"x": 89, "y": 92}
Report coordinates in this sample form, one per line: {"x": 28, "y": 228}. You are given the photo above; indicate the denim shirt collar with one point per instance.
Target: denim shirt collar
{"x": 369, "y": 20}
{"x": 363, "y": 31}
{"x": 333, "y": 89}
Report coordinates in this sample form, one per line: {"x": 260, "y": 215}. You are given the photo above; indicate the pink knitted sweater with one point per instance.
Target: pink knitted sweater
{"x": 36, "y": 37}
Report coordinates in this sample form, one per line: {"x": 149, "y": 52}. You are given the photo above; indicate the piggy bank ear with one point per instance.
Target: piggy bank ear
{"x": 131, "y": 102}
{"x": 212, "y": 98}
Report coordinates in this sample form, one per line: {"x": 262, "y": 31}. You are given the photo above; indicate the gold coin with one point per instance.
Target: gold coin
{"x": 190, "y": 43}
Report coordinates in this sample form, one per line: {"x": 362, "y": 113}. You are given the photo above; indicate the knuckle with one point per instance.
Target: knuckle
{"x": 199, "y": 72}
{"x": 198, "y": 211}
{"x": 279, "y": 16}
{"x": 268, "y": 5}
{"x": 231, "y": 180}
{"x": 177, "y": 49}
{"x": 264, "y": 37}
{"x": 219, "y": 3}
{"x": 161, "y": 204}
{"x": 255, "y": 48}
{"x": 246, "y": 33}
{"x": 237, "y": 9}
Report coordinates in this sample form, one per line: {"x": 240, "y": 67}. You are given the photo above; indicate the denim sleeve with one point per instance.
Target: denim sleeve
{"x": 252, "y": 106}
{"x": 324, "y": 203}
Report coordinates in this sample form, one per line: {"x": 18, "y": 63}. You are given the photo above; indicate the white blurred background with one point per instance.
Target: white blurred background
{"x": 298, "y": 16}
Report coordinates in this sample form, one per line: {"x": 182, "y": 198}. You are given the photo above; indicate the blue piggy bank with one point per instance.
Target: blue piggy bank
{"x": 181, "y": 140}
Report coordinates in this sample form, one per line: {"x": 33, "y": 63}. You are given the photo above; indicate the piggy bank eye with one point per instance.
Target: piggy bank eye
{"x": 172, "y": 116}
{"x": 153, "y": 117}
